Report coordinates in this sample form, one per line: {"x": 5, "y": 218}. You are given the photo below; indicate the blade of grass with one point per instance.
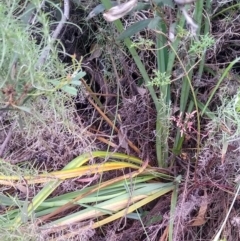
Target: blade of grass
{"x": 173, "y": 207}
{"x": 225, "y": 9}
{"x": 208, "y": 113}
{"x": 74, "y": 172}
{"x": 226, "y": 71}
{"x": 161, "y": 126}
{"x": 206, "y": 31}
{"x": 187, "y": 86}
{"x": 102, "y": 191}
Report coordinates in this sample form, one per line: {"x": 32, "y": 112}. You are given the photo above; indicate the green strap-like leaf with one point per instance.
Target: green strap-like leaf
{"x": 136, "y": 27}
{"x": 99, "y": 9}
{"x": 168, "y": 3}
{"x": 24, "y": 108}
{"x": 78, "y": 76}
{"x": 141, "y": 6}
{"x": 70, "y": 90}
{"x": 154, "y": 23}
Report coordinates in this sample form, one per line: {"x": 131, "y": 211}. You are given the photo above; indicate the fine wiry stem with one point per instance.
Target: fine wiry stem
{"x": 46, "y": 50}
{"x": 32, "y": 19}
{"x": 7, "y": 139}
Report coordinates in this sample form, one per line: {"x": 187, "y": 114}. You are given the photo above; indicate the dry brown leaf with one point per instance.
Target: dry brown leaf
{"x": 184, "y": 156}
{"x": 224, "y": 151}
{"x": 21, "y": 188}
{"x": 141, "y": 91}
{"x": 200, "y": 219}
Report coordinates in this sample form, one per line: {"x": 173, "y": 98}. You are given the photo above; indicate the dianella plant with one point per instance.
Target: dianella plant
{"x": 181, "y": 40}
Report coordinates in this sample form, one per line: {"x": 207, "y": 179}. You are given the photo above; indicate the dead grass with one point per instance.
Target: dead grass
{"x": 52, "y": 134}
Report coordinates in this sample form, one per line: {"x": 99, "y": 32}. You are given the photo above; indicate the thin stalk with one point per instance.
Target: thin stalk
{"x": 217, "y": 237}
{"x": 161, "y": 125}
{"x": 186, "y": 87}
{"x": 206, "y": 31}
{"x": 173, "y": 53}
{"x": 180, "y": 138}
{"x": 226, "y": 71}
{"x": 165, "y": 63}
{"x": 107, "y": 4}
{"x": 226, "y": 10}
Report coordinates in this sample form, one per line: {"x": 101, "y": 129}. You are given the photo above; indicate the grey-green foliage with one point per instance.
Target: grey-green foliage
{"x": 224, "y": 128}
{"x": 25, "y": 233}
{"x": 23, "y": 36}
{"x": 45, "y": 117}
{"x": 160, "y": 79}
{"x": 199, "y": 46}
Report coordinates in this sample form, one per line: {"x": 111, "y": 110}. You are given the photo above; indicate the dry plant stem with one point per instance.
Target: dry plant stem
{"x": 217, "y": 237}
{"x": 112, "y": 125}
{"x": 116, "y": 75}
{"x": 119, "y": 90}
{"x": 110, "y": 143}
{"x": 90, "y": 92}
{"x": 164, "y": 235}
{"x": 105, "y": 184}
{"x": 46, "y": 50}
{"x": 96, "y": 99}
{"x": 97, "y": 94}
{"x": 102, "y": 114}
{"x": 7, "y": 139}
{"x": 103, "y": 140}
